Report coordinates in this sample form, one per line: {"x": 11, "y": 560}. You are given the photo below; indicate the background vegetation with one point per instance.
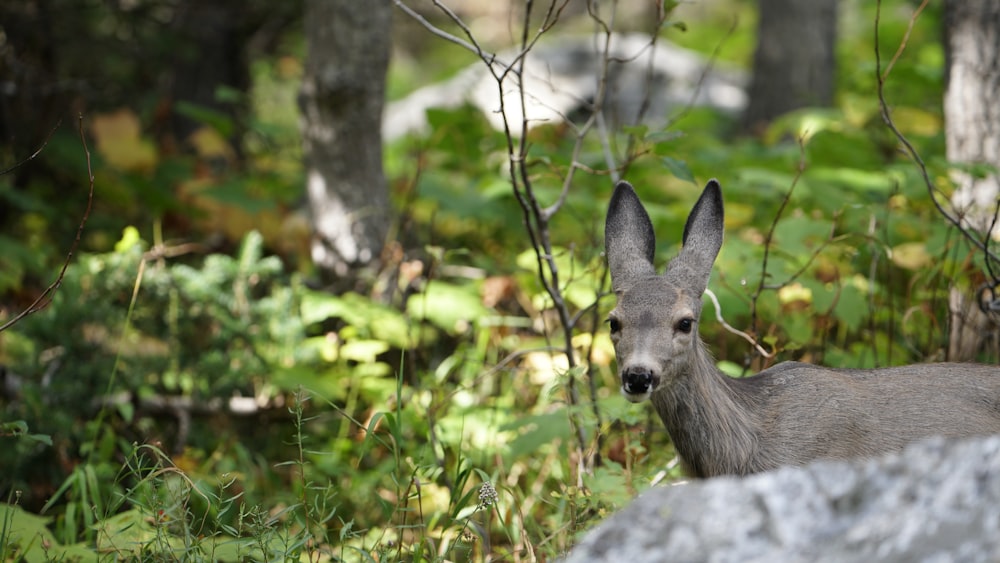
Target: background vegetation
{"x": 189, "y": 393}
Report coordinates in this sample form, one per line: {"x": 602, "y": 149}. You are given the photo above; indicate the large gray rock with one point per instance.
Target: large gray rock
{"x": 645, "y": 80}
{"x": 937, "y": 502}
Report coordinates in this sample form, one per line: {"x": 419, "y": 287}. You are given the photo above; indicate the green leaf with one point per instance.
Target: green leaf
{"x": 452, "y": 308}
{"x": 130, "y": 238}
{"x": 535, "y": 432}
{"x": 372, "y": 319}
{"x": 209, "y": 116}
{"x": 609, "y": 483}
{"x": 235, "y": 192}
{"x": 639, "y": 131}
{"x": 16, "y": 428}
{"x": 678, "y": 168}
{"x": 797, "y": 237}
{"x": 126, "y": 410}
{"x": 852, "y": 306}
{"x": 363, "y": 350}
{"x": 34, "y": 541}
{"x": 732, "y": 369}
{"x": 130, "y": 530}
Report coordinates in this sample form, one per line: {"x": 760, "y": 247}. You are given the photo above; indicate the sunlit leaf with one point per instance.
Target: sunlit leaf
{"x": 363, "y": 350}
{"x": 119, "y": 141}
{"x": 916, "y": 121}
{"x": 453, "y": 308}
{"x": 208, "y": 143}
{"x": 732, "y": 369}
{"x": 35, "y": 542}
{"x": 370, "y": 317}
{"x": 130, "y": 238}
{"x": 794, "y": 292}
{"x": 911, "y": 256}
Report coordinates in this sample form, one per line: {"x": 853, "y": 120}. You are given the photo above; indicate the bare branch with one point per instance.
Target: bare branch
{"x": 35, "y": 154}
{"x": 435, "y": 30}
{"x": 45, "y": 298}
{"x": 761, "y": 286}
{"x": 709, "y": 66}
{"x": 932, "y": 191}
{"x": 906, "y": 39}
{"x": 537, "y": 215}
{"x": 736, "y": 331}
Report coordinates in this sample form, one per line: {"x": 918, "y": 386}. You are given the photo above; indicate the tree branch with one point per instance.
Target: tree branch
{"x": 887, "y": 119}
{"x": 45, "y": 298}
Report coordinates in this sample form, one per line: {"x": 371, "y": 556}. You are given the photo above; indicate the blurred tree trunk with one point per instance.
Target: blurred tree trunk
{"x": 793, "y": 66}
{"x": 209, "y": 55}
{"x": 972, "y": 114}
{"x": 972, "y": 136}
{"x": 34, "y": 96}
{"x": 341, "y": 101}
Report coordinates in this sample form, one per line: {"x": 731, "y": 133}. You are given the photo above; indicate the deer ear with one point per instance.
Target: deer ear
{"x": 629, "y": 241}
{"x": 702, "y": 240}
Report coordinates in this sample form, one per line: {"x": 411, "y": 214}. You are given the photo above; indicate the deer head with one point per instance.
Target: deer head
{"x": 654, "y": 326}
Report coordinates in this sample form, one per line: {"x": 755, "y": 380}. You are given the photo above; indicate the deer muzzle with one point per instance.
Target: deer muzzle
{"x": 638, "y": 383}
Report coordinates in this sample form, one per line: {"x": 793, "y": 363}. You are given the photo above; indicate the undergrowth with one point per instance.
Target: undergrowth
{"x": 173, "y": 403}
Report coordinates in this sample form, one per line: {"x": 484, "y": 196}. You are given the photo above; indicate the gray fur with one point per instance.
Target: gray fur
{"x": 790, "y": 414}
{"x": 629, "y": 257}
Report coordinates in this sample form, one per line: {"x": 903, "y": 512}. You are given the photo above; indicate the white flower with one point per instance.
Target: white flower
{"x": 487, "y": 495}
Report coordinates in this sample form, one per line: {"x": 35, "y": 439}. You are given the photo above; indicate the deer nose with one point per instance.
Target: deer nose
{"x": 637, "y": 380}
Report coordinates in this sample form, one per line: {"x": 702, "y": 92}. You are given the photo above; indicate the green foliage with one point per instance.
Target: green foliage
{"x": 26, "y": 537}
{"x": 122, "y": 323}
{"x": 176, "y": 403}
{"x": 19, "y": 428}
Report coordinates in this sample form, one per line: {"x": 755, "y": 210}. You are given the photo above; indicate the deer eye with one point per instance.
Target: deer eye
{"x": 614, "y": 324}
{"x": 684, "y": 325}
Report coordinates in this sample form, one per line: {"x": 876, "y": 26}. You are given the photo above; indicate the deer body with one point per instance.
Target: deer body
{"x": 789, "y": 414}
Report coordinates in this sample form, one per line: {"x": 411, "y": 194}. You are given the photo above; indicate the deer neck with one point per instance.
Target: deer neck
{"x": 709, "y": 418}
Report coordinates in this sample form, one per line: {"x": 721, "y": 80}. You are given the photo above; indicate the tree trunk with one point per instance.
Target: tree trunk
{"x": 972, "y": 115}
{"x": 211, "y": 38}
{"x": 341, "y": 102}
{"x": 972, "y": 136}
{"x": 793, "y": 66}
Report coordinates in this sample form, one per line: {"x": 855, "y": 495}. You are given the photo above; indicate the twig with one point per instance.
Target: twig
{"x": 537, "y": 223}
{"x": 887, "y": 119}
{"x": 906, "y": 39}
{"x": 736, "y": 331}
{"x": 812, "y": 257}
{"x": 536, "y": 217}
{"x": 45, "y": 298}
{"x": 769, "y": 238}
{"x": 709, "y": 66}
{"x": 38, "y": 151}
{"x": 437, "y": 30}
{"x": 986, "y": 241}
{"x": 872, "y": 273}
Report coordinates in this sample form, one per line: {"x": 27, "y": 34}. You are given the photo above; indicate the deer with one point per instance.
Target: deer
{"x": 789, "y": 414}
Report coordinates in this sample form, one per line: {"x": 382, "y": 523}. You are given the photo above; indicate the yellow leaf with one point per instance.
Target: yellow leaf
{"x": 130, "y": 238}
{"x": 910, "y": 256}
{"x": 119, "y": 141}
{"x": 794, "y": 292}
{"x": 208, "y": 143}
{"x": 914, "y": 121}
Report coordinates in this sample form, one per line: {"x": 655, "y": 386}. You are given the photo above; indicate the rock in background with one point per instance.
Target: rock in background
{"x": 646, "y": 79}
{"x": 936, "y": 501}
